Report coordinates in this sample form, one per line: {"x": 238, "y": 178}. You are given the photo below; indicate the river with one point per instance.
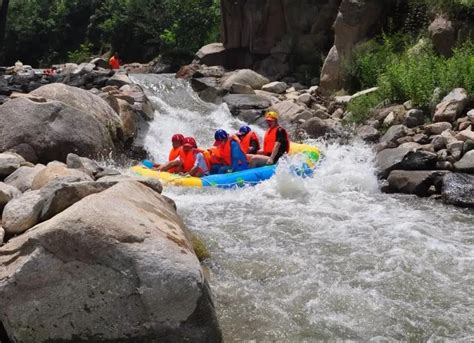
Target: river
{"x": 326, "y": 258}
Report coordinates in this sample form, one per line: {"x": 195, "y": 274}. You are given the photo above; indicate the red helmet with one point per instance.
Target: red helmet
{"x": 190, "y": 141}
{"x": 177, "y": 138}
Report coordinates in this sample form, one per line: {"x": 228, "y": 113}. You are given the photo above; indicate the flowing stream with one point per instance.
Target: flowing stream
{"x": 327, "y": 258}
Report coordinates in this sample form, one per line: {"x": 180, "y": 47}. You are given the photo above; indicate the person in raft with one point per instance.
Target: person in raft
{"x": 248, "y": 140}
{"x": 114, "y": 61}
{"x": 191, "y": 160}
{"x": 231, "y": 156}
{"x": 176, "y": 142}
{"x": 275, "y": 143}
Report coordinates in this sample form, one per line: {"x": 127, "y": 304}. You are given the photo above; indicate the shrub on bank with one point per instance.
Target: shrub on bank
{"x": 413, "y": 74}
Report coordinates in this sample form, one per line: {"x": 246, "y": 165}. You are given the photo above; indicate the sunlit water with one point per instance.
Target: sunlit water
{"x": 327, "y": 258}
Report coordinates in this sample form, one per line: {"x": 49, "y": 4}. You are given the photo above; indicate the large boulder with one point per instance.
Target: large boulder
{"x": 211, "y": 55}
{"x": 288, "y": 110}
{"x": 49, "y": 131}
{"x": 23, "y": 212}
{"x": 451, "y": 106}
{"x": 458, "y": 189}
{"x": 244, "y": 77}
{"x": 83, "y": 101}
{"x": 393, "y": 133}
{"x": 414, "y": 182}
{"x": 105, "y": 276}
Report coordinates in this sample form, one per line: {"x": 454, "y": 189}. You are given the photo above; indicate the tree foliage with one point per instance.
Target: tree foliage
{"x": 48, "y": 31}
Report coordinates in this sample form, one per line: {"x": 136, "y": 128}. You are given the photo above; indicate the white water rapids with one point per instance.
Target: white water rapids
{"x": 327, "y": 258}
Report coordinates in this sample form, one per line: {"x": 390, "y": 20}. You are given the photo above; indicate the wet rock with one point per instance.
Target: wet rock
{"x": 437, "y": 128}
{"x": 444, "y": 165}
{"x": 414, "y": 118}
{"x": 368, "y": 133}
{"x": 238, "y": 102}
{"x": 58, "y": 172}
{"x": 455, "y": 149}
{"x": 275, "y": 87}
{"x": 244, "y": 77}
{"x": 393, "y": 133}
{"x": 140, "y": 267}
{"x": 9, "y": 162}
{"x": 2, "y": 235}
{"x": 404, "y": 158}
{"x": 22, "y": 178}
{"x": 466, "y": 163}
{"x": 451, "y": 106}
{"x": 128, "y": 118}
{"x": 23, "y": 212}
{"x": 458, "y": 189}
{"x": 414, "y": 182}
{"x": 7, "y": 193}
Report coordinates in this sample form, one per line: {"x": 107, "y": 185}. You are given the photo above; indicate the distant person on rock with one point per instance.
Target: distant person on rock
{"x": 114, "y": 61}
{"x": 248, "y": 140}
{"x": 232, "y": 157}
{"x": 275, "y": 143}
{"x": 191, "y": 160}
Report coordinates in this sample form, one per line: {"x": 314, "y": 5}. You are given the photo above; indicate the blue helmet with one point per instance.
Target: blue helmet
{"x": 221, "y": 135}
{"x": 244, "y": 130}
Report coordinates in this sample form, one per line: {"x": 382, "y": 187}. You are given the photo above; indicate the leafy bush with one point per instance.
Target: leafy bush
{"x": 361, "y": 107}
{"x": 83, "y": 54}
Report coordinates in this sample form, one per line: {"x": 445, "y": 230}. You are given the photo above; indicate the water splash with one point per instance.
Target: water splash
{"x": 325, "y": 258}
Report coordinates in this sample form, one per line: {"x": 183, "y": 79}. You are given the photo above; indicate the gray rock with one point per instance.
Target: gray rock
{"x": 439, "y": 142}
{"x": 455, "y": 149}
{"x": 59, "y": 196}
{"x": 275, "y": 87}
{"x": 237, "y": 88}
{"x": 451, "y": 106}
{"x": 404, "y": 158}
{"x": 466, "y": 163}
{"x": 414, "y": 182}
{"x": 58, "y": 172}
{"x": 119, "y": 277}
{"x": 465, "y": 135}
{"x": 129, "y": 119}
{"x": 83, "y": 163}
{"x": 414, "y": 118}
{"x": 154, "y": 184}
{"x": 211, "y": 55}
{"x": 100, "y": 62}
{"x": 238, "y": 102}
{"x": 119, "y": 80}
{"x": 9, "y": 162}
{"x": 458, "y": 189}
{"x": 305, "y": 115}
{"x": 322, "y": 114}
{"x": 288, "y": 110}
{"x": 23, "y": 212}
{"x": 393, "y": 133}
{"x": 437, "y": 128}
{"x": 467, "y": 146}
{"x": 2, "y": 235}
{"x": 304, "y": 98}
{"x": 444, "y": 165}
{"x": 316, "y": 127}
{"x": 250, "y": 116}
{"x": 23, "y": 177}
{"x": 368, "y": 133}
{"x": 244, "y": 77}
{"x": 421, "y": 138}
{"x": 443, "y": 35}
{"x": 7, "y": 193}
{"x": 442, "y": 154}
{"x": 470, "y": 115}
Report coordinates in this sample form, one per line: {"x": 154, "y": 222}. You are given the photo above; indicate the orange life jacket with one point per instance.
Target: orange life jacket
{"x": 226, "y": 151}
{"x": 188, "y": 159}
{"x": 214, "y": 155}
{"x": 245, "y": 142}
{"x": 270, "y": 139}
{"x": 114, "y": 63}
{"x": 174, "y": 153}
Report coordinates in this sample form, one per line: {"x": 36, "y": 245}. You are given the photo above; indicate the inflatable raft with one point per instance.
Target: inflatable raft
{"x": 238, "y": 179}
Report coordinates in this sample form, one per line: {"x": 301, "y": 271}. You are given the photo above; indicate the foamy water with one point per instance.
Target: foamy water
{"x": 326, "y": 258}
